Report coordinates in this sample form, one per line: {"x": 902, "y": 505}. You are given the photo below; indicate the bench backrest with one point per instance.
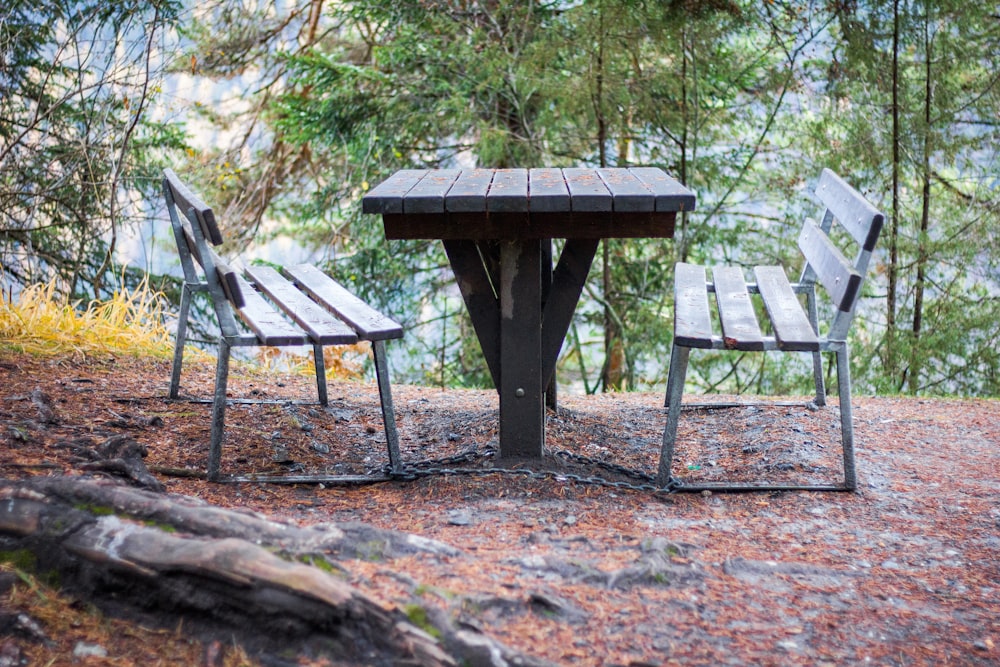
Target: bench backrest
{"x": 825, "y": 261}
{"x": 194, "y": 227}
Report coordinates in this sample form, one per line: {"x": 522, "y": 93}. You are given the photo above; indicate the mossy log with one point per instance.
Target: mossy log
{"x": 274, "y": 586}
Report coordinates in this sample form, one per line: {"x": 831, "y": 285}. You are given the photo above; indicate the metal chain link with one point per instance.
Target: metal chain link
{"x": 442, "y": 466}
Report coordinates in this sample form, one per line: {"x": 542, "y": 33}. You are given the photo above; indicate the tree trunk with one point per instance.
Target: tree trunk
{"x": 891, "y": 358}
{"x": 916, "y": 354}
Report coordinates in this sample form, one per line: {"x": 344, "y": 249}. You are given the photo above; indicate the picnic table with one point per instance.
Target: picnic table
{"x": 497, "y": 227}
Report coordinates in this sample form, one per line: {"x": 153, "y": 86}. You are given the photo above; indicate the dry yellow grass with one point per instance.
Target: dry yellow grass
{"x": 133, "y": 322}
{"x": 42, "y": 322}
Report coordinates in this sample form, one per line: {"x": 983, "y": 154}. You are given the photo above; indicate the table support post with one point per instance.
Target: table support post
{"x": 522, "y": 410}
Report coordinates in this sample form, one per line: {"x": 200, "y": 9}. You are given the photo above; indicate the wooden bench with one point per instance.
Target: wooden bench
{"x": 793, "y": 325}
{"x": 302, "y": 307}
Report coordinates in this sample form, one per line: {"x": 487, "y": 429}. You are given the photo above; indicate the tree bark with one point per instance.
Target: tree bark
{"x": 140, "y": 552}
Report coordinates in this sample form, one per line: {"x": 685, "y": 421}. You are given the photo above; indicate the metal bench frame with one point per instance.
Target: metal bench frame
{"x": 795, "y": 329}
{"x": 321, "y": 310}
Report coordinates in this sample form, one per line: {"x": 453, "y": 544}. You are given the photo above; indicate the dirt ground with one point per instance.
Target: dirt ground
{"x": 579, "y": 563}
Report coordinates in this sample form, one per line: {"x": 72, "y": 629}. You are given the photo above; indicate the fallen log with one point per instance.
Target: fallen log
{"x": 226, "y": 573}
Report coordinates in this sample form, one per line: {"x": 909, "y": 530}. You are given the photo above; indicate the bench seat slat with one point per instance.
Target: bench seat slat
{"x": 740, "y": 329}
{"x": 267, "y": 323}
{"x": 692, "y": 317}
{"x": 792, "y": 328}
{"x": 368, "y": 322}
{"x": 322, "y": 327}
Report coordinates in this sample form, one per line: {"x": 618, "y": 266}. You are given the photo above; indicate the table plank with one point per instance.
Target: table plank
{"x": 669, "y": 194}
{"x": 468, "y": 194}
{"x": 547, "y": 191}
{"x": 387, "y": 196}
{"x": 587, "y": 191}
{"x": 427, "y": 196}
{"x": 508, "y": 192}
{"x": 628, "y": 192}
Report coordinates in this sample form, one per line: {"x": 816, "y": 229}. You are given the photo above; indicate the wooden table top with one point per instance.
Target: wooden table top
{"x": 632, "y": 189}
{"x": 529, "y": 203}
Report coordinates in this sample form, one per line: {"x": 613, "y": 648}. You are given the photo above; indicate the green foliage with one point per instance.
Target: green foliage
{"x": 743, "y": 101}
{"x": 75, "y": 82}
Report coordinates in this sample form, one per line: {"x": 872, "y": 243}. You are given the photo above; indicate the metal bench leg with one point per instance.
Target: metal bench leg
{"x": 817, "y": 356}
{"x": 675, "y": 394}
{"x": 846, "y": 417}
{"x": 180, "y": 339}
{"x": 671, "y": 371}
{"x": 320, "y": 363}
{"x": 385, "y": 398}
{"x": 218, "y": 411}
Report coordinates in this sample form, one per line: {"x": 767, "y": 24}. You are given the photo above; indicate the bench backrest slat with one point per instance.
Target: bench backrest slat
{"x": 852, "y": 211}
{"x": 368, "y": 322}
{"x": 188, "y": 202}
{"x": 232, "y": 283}
{"x": 841, "y": 280}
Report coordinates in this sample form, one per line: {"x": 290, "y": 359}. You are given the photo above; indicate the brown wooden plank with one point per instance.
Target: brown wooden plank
{"x": 547, "y": 191}
{"x": 427, "y": 196}
{"x": 669, "y": 193}
{"x": 841, "y": 280}
{"x": 187, "y": 201}
{"x": 270, "y": 327}
{"x": 628, "y": 193}
{"x": 369, "y": 323}
{"x": 692, "y": 316}
{"x": 387, "y": 196}
{"x": 230, "y": 281}
{"x": 468, "y": 194}
{"x": 587, "y": 190}
{"x": 792, "y": 328}
{"x": 474, "y": 281}
{"x": 568, "y": 280}
{"x": 740, "y": 329}
{"x": 319, "y": 323}
{"x": 508, "y": 192}
{"x": 522, "y": 409}
{"x": 189, "y": 240}
{"x": 515, "y": 226}
{"x": 850, "y": 208}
